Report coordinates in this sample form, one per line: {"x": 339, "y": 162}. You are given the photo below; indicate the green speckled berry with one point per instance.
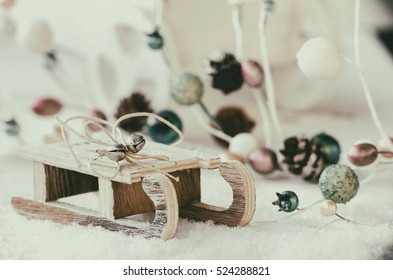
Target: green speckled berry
{"x": 187, "y": 89}
{"x": 11, "y": 127}
{"x": 339, "y": 183}
{"x": 155, "y": 40}
{"x": 330, "y": 148}
{"x": 162, "y": 133}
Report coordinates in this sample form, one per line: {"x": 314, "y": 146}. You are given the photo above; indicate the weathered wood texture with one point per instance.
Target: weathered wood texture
{"x": 58, "y": 155}
{"x": 136, "y": 189}
{"x": 158, "y": 188}
{"x": 242, "y": 209}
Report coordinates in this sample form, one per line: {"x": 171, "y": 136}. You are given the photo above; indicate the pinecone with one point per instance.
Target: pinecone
{"x": 233, "y": 120}
{"x": 136, "y": 102}
{"x": 224, "y": 70}
{"x": 303, "y": 157}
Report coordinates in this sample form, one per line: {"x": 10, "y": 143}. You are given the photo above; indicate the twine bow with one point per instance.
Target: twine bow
{"x": 126, "y": 151}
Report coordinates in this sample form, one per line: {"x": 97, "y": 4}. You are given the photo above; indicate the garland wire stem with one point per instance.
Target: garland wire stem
{"x": 237, "y": 27}
{"x": 342, "y": 219}
{"x": 209, "y": 128}
{"x": 300, "y": 210}
{"x": 366, "y": 89}
{"x": 238, "y": 30}
{"x": 266, "y": 67}
{"x": 159, "y": 12}
{"x": 71, "y": 53}
{"x": 212, "y": 120}
{"x": 264, "y": 116}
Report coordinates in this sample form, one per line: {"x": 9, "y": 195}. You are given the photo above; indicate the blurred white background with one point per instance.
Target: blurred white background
{"x": 192, "y": 29}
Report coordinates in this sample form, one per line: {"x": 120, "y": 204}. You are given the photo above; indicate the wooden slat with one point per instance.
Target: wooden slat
{"x": 58, "y": 155}
{"x": 106, "y": 198}
{"x": 242, "y": 209}
{"x": 159, "y": 189}
{"x": 130, "y": 199}
{"x": 188, "y": 189}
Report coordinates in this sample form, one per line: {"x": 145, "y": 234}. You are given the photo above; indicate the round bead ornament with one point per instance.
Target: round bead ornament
{"x": 155, "y": 40}
{"x": 51, "y": 60}
{"x": 162, "y": 133}
{"x": 243, "y": 144}
{"x": 7, "y": 4}
{"x": 287, "y": 201}
{"x": 11, "y": 127}
{"x": 338, "y": 183}
{"x": 46, "y": 107}
{"x": 187, "y": 89}
{"x": 328, "y": 208}
{"x": 263, "y": 160}
{"x": 330, "y": 148}
{"x": 318, "y": 59}
{"x": 253, "y": 74}
{"x": 362, "y": 154}
{"x": 224, "y": 71}
{"x": 36, "y": 36}
{"x": 268, "y": 5}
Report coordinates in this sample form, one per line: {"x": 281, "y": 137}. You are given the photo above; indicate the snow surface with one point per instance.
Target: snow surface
{"x": 284, "y": 238}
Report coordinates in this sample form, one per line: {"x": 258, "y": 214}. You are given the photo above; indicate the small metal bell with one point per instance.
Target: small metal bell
{"x": 363, "y": 154}
{"x": 116, "y": 152}
{"x": 135, "y": 143}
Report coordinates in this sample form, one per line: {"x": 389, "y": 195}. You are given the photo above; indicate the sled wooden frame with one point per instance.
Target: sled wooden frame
{"x": 135, "y": 189}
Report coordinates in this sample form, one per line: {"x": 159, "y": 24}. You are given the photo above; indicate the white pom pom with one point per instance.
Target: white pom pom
{"x": 243, "y": 144}
{"x": 318, "y": 59}
{"x": 35, "y": 36}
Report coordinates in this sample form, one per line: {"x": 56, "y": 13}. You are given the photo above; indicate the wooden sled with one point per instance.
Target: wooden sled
{"x": 134, "y": 190}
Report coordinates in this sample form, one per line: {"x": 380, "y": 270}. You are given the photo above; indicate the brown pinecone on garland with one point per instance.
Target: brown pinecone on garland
{"x": 303, "y": 157}
{"x": 233, "y": 120}
{"x": 136, "y": 102}
{"x": 224, "y": 71}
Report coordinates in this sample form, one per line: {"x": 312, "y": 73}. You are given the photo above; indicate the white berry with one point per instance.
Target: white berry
{"x": 319, "y": 59}
{"x": 243, "y": 144}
